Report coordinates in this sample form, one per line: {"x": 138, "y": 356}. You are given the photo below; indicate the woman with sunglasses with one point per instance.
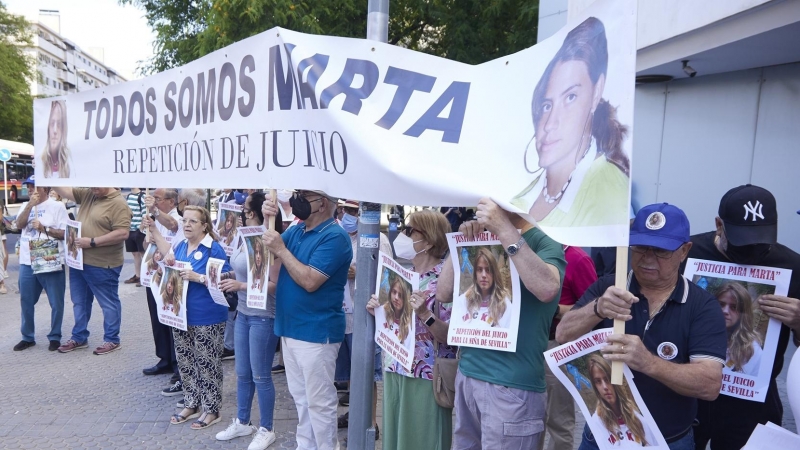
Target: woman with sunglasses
{"x": 199, "y": 348}
{"x": 411, "y": 416}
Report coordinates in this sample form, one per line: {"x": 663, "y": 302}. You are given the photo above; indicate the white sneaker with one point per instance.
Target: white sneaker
{"x": 234, "y": 430}
{"x": 263, "y": 439}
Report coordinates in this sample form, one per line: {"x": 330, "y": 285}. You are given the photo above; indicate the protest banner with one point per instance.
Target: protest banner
{"x": 227, "y": 219}
{"x": 213, "y": 277}
{"x": 257, "y": 266}
{"x": 616, "y": 414}
{"x": 152, "y": 263}
{"x": 752, "y": 335}
{"x": 395, "y": 319}
{"x": 354, "y": 117}
{"x": 171, "y": 296}
{"x": 74, "y": 255}
{"x": 486, "y": 294}
{"x": 347, "y": 303}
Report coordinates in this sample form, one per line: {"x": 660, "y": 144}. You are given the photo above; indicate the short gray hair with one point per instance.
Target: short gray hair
{"x": 171, "y": 194}
{"x": 196, "y": 197}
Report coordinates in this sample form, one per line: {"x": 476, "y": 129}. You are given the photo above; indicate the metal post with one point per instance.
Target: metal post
{"x": 361, "y": 433}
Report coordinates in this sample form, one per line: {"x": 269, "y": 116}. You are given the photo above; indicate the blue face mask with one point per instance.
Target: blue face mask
{"x": 349, "y": 223}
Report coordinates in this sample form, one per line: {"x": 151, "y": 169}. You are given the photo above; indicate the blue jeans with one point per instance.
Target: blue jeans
{"x": 84, "y": 286}
{"x": 230, "y": 331}
{"x": 255, "y": 348}
{"x": 684, "y": 443}
{"x": 30, "y": 289}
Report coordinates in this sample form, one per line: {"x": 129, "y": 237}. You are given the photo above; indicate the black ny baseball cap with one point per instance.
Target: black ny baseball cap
{"x": 750, "y": 215}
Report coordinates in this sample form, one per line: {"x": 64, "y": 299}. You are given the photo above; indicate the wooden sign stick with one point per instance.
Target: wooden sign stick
{"x": 147, "y": 230}
{"x": 273, "y": 193}
{"x": 620, "y": 281}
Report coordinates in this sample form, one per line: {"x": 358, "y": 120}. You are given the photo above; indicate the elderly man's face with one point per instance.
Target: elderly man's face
{"x": 652, "y": 271}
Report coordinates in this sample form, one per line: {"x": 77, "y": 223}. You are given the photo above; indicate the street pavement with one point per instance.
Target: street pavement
{"x": 82, "y": 401}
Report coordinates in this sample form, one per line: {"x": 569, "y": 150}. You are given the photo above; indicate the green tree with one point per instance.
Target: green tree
{"x": 16, "y": 72}
{"x": 470, "y": 31}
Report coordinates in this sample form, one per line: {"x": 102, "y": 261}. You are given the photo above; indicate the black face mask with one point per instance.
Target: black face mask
{"x": 300, "y": 207}
{"x": 748, "y": 255}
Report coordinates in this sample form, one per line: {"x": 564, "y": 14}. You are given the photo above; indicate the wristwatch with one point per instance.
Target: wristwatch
{"x": 514, "y": 248}
{"x": 202, "y": 279}
{"x": 430, "y": 321}
{"x": 47, "y": 231}
{"x": 92, "y": 244}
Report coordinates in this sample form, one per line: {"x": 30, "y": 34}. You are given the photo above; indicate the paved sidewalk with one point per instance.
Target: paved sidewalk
{"x": 82, "y": 401}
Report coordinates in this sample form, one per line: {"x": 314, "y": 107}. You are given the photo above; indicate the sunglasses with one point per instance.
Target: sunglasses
{"x": 408, "y": 230}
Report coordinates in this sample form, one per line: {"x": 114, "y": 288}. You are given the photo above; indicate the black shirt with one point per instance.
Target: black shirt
{"x": 691, "y": 320}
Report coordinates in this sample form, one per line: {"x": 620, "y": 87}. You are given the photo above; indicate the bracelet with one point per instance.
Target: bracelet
{"x": 596, "y": 313}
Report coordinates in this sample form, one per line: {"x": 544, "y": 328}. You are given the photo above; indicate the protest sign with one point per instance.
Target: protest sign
{"x": 395, "y": 319}
{"x": 616, "y": 414}
{"x": 752, "y": 335}
{"x": 74, "y": 255}
{"x": 347, "y": 304}
{"x": 152, "y": 263}
{"x": 213, "y": 274}
{"x": 171, "y": 296}
{"x": 486, "y": 294}
{"x": 257, "y": 266}
{"x": 226, "y": 225}
{"x": 354, "y": 117}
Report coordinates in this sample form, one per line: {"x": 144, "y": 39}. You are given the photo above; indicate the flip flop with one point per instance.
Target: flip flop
{"x": 178, "y": 419}
{"x": 199, "y": 424}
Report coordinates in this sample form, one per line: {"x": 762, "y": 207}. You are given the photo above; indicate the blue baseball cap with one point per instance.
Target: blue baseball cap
{"x": 660, "y": 225}
{"x": 29, "y": 180}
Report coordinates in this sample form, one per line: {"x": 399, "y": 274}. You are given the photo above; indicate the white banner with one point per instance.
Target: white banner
{"x": 395, "y": 319}
{"x": 213, "y": 273}
{"x": 257, "y": 266}
{"x": 752, "y": 335}
{"x": 170, "y": 296}
{"x": 74, "y": 254}
{"x": 546, "y": 131}
{"x": 486, "y": 294}
{"x": 617, "y": 415}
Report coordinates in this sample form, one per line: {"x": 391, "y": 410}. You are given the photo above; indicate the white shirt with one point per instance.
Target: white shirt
{"x": 623, "y": 438}
{"x": 482, "y": 316}
{"x": 177, "y": 236}
{"x": 52, "y": 214}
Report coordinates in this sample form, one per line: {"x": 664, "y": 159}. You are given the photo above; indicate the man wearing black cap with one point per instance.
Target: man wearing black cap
{"x": 675, "y": 337}
{"x": 747, "y": 233}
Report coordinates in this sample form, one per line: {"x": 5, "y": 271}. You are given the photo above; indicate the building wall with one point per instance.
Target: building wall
{"x": 696, "y": 138}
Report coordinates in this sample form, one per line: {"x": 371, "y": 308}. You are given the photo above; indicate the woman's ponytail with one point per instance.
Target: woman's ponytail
{"x": 610, "y": 134}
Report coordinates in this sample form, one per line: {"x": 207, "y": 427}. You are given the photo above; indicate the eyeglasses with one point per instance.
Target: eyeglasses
{"x": 191, "y": 221}
{"x": 351, "y": 211}
{"x": 657, "y": 252}
{"x": 245, "y": 210}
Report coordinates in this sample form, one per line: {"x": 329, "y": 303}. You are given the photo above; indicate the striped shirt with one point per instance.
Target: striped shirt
{"x": 133, "y": 204}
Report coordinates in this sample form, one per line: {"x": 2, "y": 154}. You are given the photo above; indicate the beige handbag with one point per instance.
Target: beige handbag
{"x": 444, "y": 374}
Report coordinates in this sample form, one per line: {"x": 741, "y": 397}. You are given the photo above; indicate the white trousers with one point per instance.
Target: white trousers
{"x": 309, "y": 373}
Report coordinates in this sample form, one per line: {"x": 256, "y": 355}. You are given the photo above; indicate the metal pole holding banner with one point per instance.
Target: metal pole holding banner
{"x": 620, "y": 281}
{"x": 361, "y": 432}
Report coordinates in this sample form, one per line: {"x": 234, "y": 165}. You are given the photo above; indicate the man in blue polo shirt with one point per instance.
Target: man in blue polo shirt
{"x": 675, "y": 337}
{"x": 314, "y": 256}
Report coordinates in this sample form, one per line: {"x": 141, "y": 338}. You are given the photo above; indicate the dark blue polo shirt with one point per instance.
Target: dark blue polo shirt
{"x": 691, "y": 320}
{"x": 314, "y": 316}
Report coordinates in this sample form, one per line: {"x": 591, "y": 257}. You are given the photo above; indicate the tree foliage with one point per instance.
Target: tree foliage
{"x": 17, "y": 70}
{"x": 470, "y": 31}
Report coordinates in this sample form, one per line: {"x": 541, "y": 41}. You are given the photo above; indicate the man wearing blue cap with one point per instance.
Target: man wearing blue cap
{"x": 675, "y": 337}
{"x": 747, "y": 233}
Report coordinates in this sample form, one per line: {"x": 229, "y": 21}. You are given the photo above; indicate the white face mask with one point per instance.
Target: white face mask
{"x": 284, "y": 195}
{"x": 404, "y": 247}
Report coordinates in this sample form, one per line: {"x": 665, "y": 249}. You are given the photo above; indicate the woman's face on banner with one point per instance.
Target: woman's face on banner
{"x": 258, "y": 256}
{"x": 483, "y": 273}
{"x": 569, "y": 100}
{"x": 603, "y": 385}
{"x": 55, "y": 126}
{"x": 157, "y": 256}
{"x": 730, "y": 309}
{"x": 396, "y": 296}
{"x": 229, "y": 222}
{"x": 170, "y": 286}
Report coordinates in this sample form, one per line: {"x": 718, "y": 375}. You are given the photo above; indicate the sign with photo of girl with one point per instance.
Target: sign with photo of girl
{"x": 616, "y": 414}
{"x": 227, "y": 221}
{"x": 152, "y": 266}
{"x": 395, "y": 319}
{"x": 171, "y": 296}
{"x": 257, "y": 265}
{"x": 752, "y": 335}
{"x": 487, "y": 294}
{"x": 74, "y": 254}
{"x": 213, "y": 274}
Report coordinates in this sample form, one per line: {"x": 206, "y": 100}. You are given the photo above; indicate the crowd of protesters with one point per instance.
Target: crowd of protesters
{"x": 502, "y": 399}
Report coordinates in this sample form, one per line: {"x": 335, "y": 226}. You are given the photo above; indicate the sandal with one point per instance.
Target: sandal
{"x": 178, "y": 418}
{"x": 200, "y": 423}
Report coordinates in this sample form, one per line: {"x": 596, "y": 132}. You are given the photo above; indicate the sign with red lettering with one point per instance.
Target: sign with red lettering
{"x": 257, "y": 266}
{"x": 616, "y": 414}
{"x": 170, "y": 296}
{"x": 395, "y": 319}
{"x": 486, "y": 295}
{"x": 752, "y": 335}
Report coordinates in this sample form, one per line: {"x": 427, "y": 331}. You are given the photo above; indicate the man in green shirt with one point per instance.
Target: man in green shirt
{"x": 500, "y": 396}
